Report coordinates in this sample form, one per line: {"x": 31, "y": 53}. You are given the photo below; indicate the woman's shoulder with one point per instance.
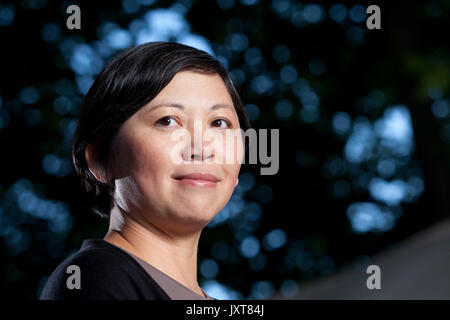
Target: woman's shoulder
{"x": 97, "y": 253}
{"x": 99, "y": 270}
{"x": 96, "y": 256}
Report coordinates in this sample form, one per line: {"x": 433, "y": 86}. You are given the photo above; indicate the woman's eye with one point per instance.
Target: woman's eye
{"x": 166, "y": 121}
{"x": 221, "y": 123}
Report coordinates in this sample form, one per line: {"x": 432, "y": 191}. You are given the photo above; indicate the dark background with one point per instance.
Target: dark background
{"x": 363, "y": 118}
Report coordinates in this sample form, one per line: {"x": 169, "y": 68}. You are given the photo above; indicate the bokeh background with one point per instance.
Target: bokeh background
{"x": 364, "y": 120}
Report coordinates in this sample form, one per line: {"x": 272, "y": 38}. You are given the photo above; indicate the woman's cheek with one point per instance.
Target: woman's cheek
{"x": 222, "y": 145}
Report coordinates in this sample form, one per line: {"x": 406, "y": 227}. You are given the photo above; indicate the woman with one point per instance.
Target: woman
{"x": 158, "y": 192}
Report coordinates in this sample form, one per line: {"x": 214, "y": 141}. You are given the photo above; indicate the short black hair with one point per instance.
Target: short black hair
{"x": 130, "y": 81}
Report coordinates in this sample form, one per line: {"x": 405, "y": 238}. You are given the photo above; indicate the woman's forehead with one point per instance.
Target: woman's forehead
{"x": 191, "y": 83}
{"x": 189, "y": 89}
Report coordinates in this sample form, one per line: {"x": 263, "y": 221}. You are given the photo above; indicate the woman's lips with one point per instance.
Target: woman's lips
{"x": 198, "y": 179}
{"x": 198, "y": 183}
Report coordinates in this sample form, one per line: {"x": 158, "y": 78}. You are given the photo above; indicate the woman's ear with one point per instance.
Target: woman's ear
{"x": 94, "y": 167}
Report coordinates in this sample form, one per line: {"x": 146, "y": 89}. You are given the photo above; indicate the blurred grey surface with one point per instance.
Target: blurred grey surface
{"x": 414, "y": 269}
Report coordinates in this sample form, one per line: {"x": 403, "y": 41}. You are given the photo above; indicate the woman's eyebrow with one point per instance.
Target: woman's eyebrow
{"x": 221, "y": 105}
{"x": 167, "y": 105}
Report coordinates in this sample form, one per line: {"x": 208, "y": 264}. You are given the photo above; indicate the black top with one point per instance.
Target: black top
{"x": 106, "y": 273}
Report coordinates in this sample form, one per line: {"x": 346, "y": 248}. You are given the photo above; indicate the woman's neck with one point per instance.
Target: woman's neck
{"x": 175, "y": 255}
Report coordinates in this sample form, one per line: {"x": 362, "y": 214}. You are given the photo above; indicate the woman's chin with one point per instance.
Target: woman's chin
{"x": 202, "y": 216}
{"x": 196, "y": 216}
{"x": 188, "y": 223}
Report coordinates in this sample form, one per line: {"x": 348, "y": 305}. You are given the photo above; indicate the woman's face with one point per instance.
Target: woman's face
{"x": 151, "y": 169}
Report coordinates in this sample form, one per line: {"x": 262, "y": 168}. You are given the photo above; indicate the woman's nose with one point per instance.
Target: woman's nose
{"x": 199, "y": 148}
